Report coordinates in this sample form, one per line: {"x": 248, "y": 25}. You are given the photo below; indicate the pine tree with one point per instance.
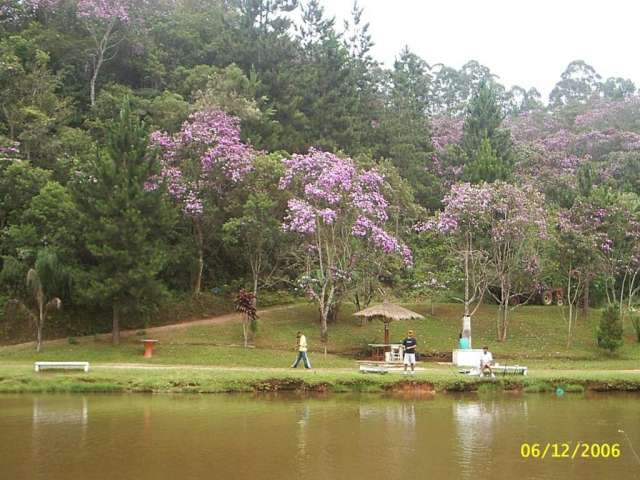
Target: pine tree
{"x": 487, "y": 146}
{"x": 610, "y": 330}
{"x": 123, "y": 222}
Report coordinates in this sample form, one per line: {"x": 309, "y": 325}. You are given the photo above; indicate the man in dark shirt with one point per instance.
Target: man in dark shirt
{"x": 409, "y": 344}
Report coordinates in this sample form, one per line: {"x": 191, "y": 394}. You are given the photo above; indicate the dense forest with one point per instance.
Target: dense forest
{"x": 153, "y": 150}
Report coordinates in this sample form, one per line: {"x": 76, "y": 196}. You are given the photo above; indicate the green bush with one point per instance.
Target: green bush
{"x": 270, "y": 298}
{"x": 609, "y": 333}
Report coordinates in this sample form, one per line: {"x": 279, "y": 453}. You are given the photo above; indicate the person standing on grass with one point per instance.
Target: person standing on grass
{"x": 301, "y": 346}
{"x": 409, "y": 344}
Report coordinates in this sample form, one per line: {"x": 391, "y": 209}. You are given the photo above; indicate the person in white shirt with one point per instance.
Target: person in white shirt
{"x": 301, "y": 346}
{"x": 486, "y": 361}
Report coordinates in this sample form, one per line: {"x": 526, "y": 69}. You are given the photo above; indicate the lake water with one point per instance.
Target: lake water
{"x": 237, "y": 437}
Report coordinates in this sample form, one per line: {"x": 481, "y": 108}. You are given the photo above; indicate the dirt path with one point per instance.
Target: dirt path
{"x": 150, "y": 332}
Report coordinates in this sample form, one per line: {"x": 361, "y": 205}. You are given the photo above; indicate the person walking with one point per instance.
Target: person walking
{"x": 409, "y": 344}
{"x": 301, "y": 346}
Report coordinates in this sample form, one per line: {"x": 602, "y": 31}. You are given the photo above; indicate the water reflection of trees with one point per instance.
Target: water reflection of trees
{"x": 399, "y": 414}
{"x": 477, "y": 423}
{"x": 70, "y": 412}
{"x": 47, "y": 414}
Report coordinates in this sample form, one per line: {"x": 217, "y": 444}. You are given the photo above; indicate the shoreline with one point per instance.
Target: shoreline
{"x": 16, "y": 379}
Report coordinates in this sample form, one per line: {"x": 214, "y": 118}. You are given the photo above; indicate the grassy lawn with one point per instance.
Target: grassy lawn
{"x": 537, "y": 339}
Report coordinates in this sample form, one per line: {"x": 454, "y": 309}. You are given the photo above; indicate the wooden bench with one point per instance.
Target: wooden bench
{"x": 61, "y": 366}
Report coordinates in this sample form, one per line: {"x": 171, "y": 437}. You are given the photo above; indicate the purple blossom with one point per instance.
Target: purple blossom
{"x": 332, "y": 191}
{"x": 446, "y": 131}
{"x": 202, "y": 157}
{"x": 301, "y": 217}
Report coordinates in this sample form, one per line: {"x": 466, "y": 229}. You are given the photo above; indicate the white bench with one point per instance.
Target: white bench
{"x": 373, "y": 369}
{"x": 510, "y": 369}
{"x": 498, "y": 369}
{"x": 61, "y": 366}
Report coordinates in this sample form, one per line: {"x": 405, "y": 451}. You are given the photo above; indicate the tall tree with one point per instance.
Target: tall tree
{"x": 255, "y": 227}
{"x": 199, "y": 164}
{"x": 578, "y": 83}
{"x": 486, "y": 144}
{"x": 403, "y": 128}
{"x": 335, "y": 207}
{"x": 123, "y": 222}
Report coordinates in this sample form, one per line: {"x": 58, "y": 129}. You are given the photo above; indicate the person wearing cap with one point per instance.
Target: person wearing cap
{"x": 409, "y": 344}
{"x": 301, "y": 346}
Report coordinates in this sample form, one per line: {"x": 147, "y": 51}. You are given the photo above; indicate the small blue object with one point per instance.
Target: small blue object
{"x": 464, "y": 343}
{"x": 559, "y": 392}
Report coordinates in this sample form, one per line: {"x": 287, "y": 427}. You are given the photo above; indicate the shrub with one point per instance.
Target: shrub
{"x": 610, "y": 330}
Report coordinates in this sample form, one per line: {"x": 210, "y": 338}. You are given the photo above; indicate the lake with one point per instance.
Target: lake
{"x": 340, "y": 436}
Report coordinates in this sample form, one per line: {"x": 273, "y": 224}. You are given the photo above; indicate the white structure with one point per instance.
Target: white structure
{"x": 61, "y": 366}
{"x": 468, "y": 357}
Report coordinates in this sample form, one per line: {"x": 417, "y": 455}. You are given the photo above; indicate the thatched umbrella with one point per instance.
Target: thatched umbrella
{"x": 388, "y": 312}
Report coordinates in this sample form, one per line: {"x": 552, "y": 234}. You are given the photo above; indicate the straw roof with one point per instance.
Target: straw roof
{"x": 388, "y": 311}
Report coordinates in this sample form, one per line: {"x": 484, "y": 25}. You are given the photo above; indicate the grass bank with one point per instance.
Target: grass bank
{"x": 105, "y": 378}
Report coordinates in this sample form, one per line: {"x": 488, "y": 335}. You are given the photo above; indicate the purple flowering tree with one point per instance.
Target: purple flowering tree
{"x": 493, "y": 231}
{"x": 554, "y": 145}
{"x": 577, "y": 258}
{"x": 465, "y": 223}
{"x": 612, "y": 222}
{"x": 337, "y": 209}
{"x": 518, "y": 229}
{"x": 199, "y": 164}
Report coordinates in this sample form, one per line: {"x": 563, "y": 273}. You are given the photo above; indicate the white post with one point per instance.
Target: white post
{"x": 466, "y": 328}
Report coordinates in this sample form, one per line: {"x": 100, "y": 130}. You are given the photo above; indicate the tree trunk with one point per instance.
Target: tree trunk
{"x": 115, "y": 332}
{"x": 94, "y": 78}
{"x": 38, "y": 338}
{"x": 505, "y": 323}
{"x": 324, "y": 335}
{"x": 255, "y": 290}
{"x": 39, "y": 327}
{"x": 585, "y": 298}
{"x": 503, "y": 312}
{"x": 245, "y": 332}
{"x": 466, "y": 283}
{"x": 101, "y": 48}
{"x": 197, "y": 288}
{"x": 332, "y": 317}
